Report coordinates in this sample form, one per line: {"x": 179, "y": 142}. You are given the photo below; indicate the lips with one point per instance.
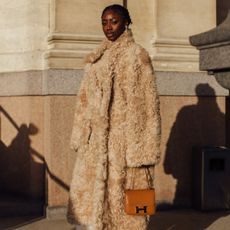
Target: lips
{"x": 109, "y": 35}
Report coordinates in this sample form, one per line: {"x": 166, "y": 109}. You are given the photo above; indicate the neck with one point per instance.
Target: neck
{"x": 123, "y": 40}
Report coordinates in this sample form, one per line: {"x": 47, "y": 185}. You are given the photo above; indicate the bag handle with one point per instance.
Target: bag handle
{"x": 149, "y": 178}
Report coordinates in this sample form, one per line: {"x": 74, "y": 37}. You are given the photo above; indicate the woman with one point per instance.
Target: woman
{"x": 116, "y": 128}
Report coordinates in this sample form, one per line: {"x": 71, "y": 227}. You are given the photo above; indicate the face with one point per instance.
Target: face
{"x": 113, "y": 24}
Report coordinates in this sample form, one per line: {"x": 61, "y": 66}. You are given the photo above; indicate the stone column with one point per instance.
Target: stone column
{"x": 24, "y": 28}
{"x": 163, "y": 28}
{"x": 75, "y": 30}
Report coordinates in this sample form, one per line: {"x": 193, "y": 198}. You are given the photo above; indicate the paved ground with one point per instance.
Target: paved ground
{"x": 190, "y": 220}
{"x": 164, "y": 220}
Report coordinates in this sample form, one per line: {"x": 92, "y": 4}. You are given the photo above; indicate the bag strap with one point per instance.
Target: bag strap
{"x": 149, "y": 178}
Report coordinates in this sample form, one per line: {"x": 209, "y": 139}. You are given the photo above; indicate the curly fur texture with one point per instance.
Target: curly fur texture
{"x": 116, "y": 128}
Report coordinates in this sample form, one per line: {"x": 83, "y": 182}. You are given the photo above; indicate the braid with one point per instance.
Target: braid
{"x": 122, "y": 11}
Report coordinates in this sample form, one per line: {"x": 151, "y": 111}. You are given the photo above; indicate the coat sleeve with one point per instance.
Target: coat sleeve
{"x": 81, "y": 125}
{"x": 144, "y": 124}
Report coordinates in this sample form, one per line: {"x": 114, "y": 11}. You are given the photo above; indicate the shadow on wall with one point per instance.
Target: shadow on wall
{"x": 23, "y": 180}
{"x": 201, "y": 124}
{"x": 16, "y": 165}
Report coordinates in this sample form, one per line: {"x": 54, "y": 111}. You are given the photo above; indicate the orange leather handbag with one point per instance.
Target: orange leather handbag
{"x": 140, "y": 202}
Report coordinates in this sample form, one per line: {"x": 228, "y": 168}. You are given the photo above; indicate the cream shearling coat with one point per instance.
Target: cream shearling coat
{"x": 116, "y": 128}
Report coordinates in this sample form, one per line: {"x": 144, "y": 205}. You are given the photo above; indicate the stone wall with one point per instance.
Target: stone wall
{"x": 41, "y": 61}
{"x": 24, "y": 26}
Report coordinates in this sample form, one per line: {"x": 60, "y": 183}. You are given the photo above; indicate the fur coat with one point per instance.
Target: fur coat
{"x": 116, "y": 128}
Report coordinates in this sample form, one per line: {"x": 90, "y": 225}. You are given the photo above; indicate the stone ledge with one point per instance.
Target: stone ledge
{"x": 185, "y": 84}
{"x": 210, "y": 59}
{"x": 67, "y": 82}
{"x": 216, "y": 35}
{"x": 56, "y": 213}
{"x": 40, "y": 82}
{"x": 67, "y": 51}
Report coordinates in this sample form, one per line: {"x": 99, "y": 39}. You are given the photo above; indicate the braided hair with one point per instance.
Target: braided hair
{"x": 121, "y": 10}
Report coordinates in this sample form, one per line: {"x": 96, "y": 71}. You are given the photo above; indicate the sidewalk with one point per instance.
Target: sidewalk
{"x": 190, "y": 220}
{"x": 163, "y": 220}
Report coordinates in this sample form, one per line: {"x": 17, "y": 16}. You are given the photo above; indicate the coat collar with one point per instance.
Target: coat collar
{"x": 123, "y": 41}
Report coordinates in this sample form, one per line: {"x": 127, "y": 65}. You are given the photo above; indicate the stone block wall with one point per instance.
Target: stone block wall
{"x": 41, "y": 61}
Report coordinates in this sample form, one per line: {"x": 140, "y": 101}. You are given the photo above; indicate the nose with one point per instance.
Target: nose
{"x": 108, "y": 27}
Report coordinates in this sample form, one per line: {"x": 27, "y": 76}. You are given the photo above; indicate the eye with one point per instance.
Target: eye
{"x": 103, "y": 23}
{"x": 114, "y": 21}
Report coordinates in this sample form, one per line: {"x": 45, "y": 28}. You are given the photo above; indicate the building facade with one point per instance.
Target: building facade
{"x": 42, "y": 47}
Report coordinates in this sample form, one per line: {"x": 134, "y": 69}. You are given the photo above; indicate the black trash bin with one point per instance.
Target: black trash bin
{"x": 211, "y": 178}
